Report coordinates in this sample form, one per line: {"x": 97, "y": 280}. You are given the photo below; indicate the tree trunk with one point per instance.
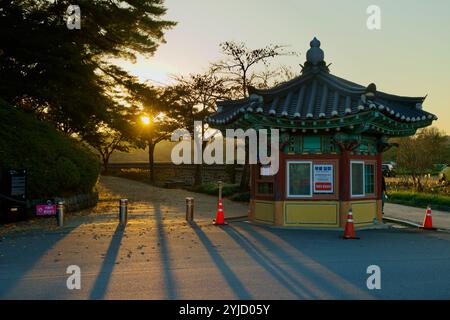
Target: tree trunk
{"x": 151, "y": 161}
{"x": 105, "y": 165}
{"x": 105, "y": 160}
{"x": 198, "y": 177}
{"x": 231, "y": 172}
{"x": 245, "y": 178}
{"x": 419, "y": 185}
{"x": 198, "y": 173}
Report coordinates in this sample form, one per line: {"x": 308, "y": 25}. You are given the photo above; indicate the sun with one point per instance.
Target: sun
{"x": 145, "y": 120}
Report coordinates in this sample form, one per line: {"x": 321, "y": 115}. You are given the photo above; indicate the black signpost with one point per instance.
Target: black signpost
{"x": 13, "y": 198}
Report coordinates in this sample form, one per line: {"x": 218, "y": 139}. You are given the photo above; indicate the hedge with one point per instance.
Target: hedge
{"x": 421, "y": 200}
{"x": 57, "y": 165}
{"x": 213, "y": 189}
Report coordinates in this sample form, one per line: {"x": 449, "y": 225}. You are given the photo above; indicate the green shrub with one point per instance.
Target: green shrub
{"x": 57, "y": 165}
{"x": 422, "y": 200}
{"x": 231, "y": 191}
{"x": 213, "y": 189}
{"x": 137, "y": 174}
{"x": 241, "y": 197}
{"x": 68, "y": 173}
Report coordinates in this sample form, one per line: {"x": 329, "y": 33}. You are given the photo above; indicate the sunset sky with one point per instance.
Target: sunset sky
{"x": 410, "y": 55}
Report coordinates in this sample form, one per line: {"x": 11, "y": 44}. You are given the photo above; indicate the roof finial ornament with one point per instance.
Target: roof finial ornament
{"x": 315, "y": 58}
{"x": 371, "y": 90}
{"x": 315, "y": 43}
{"x": 315, "y": 55}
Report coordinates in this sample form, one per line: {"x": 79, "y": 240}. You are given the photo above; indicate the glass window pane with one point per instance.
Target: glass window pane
{"x": 299, "y": 179}
{"x": 370, "y": 178}
{"x": 357, "y": 178}
{"x": 311, "y": 144}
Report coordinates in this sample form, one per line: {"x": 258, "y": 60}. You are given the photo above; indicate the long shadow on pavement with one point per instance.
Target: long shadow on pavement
{"x": 326, "y": 282}
{"x": 169, "y": 282}
{"x": 414, "y": 264}
{"x": 22, "y": 251}
{"x": 104, "y": 275}
{"x": 292, "y": 284}
{"x": 233, "y": 281}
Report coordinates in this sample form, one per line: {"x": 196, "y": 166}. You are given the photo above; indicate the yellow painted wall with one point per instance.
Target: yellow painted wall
{"x": 364, "y": 212}
{"x": 264, "y": 211}
{"x": 380, "y": 211}
{"x": 318, "y": 214}
{"x": 251, "y": 211}
{"x": 279, "y": 214}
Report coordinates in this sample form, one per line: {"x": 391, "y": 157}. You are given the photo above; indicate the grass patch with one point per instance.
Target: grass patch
{"x": 141, "y": 175}
{"x": 241, "y": 197}
{"x": 421, "y": 200}
{"x": 230, "y": 191}
{"x": 213, "y": 189}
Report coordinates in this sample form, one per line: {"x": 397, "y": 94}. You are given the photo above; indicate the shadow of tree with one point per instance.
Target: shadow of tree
{"x": 101, "y": 282}
{"x": 169, "y": 281}
{"x": 232, "y": 280}
{"x": 288, "y": 281}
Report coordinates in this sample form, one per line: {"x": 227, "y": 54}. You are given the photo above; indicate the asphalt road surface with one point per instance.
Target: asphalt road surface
{"x": 160, "y": 256}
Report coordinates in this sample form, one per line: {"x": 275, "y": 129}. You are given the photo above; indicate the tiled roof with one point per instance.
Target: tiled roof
{"x": 317, "y": 94}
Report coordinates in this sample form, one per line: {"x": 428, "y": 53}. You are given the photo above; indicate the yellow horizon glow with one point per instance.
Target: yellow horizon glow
{"x": 403, "y": 58}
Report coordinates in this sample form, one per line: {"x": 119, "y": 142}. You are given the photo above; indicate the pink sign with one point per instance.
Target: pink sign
{"x": 46, "y": 209}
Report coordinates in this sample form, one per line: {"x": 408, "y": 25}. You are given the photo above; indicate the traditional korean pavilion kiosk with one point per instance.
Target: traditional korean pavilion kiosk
{"x": 332, "y": 136}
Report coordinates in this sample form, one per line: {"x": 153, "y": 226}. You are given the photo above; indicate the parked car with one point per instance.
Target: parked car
{"x": 388, "y": 170}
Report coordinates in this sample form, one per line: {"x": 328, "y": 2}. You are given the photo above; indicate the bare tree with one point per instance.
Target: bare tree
{"x": 240, "y": 61}
{"x": 418, "y": 153}
{"x": 238, "y": 68}
{"x": 205, "y": 89}
{"x": 269, "y": 77}
{"x": 107, "y": 140}
{"x": 194, "y": 98}
{"x": 154, "y": 128}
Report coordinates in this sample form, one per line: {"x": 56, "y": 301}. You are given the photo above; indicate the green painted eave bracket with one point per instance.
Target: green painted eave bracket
{"x": 369, "y": 122}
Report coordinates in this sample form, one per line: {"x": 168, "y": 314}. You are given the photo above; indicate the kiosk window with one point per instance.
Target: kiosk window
{"x": 369, "y": 172}
{"x": 357, "y": 178}
{"x": 299, "y": 179}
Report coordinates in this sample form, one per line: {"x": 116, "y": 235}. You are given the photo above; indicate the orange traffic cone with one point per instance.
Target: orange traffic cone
{"x": 349, "y": 232}
{"x": 428, "y": 221}
{"x": 220, "y": 219}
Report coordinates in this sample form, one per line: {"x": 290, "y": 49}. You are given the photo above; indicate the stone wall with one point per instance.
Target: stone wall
{"x": 185, "y": 172}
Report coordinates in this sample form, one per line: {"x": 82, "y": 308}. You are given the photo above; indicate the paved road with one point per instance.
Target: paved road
{"x": 441, "y": 219}
{"x": 160, "y": 256}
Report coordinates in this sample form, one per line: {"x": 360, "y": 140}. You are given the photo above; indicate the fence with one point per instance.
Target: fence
{"x": 185, "y": 172}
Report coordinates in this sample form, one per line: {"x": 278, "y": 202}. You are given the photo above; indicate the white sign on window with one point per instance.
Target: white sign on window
{"x": 323, "y": 178}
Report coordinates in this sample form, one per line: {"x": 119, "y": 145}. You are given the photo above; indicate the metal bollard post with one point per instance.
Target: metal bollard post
{"x": 60, "y": 213}
{"x": 220, "y": 183}
{"x": 123, "y": 211}
{"x": 189, "y": 209}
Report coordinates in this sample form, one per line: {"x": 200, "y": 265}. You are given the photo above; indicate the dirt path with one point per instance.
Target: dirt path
{"x": 144, "y": 200}
{"x": 142, "y": 197}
